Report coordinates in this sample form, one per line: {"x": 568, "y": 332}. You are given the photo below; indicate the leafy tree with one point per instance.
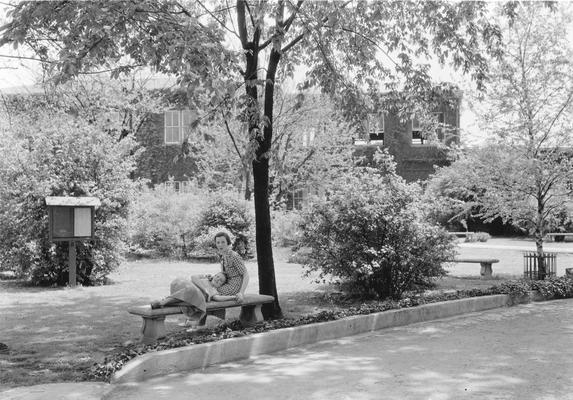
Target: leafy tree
{"x": 51, "y": 153}
{"x": 353, "y": 50}
{"x": 524, "y": 174}
{"x": 310, "y": 143}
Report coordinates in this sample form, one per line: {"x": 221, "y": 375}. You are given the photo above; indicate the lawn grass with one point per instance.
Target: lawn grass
{"x": 57, "y": 334}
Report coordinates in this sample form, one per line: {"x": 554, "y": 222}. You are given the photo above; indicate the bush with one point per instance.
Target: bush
{"x": 371, "y": 236}
{"x": 286, "y": 227}
{"x": 204, "y": 244}
{"x": 226, "y": 212}
{"x": 163, "y": 222}
{"x": 477, "y": 237}
{"x": 54, "y": 154}
{"x": 558, "y": 288}
{"x": 169, "y": 224}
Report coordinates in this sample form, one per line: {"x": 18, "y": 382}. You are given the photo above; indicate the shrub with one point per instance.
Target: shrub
{"x": 286, "y": 227}
{"x": 371, "y": 236}
{"x": 300, "y": 256}
{"x": 163, "y": 222}
{"x": 559, "y": 288}
{"x": 54, "y": 154}
{"x": 169, "y": 224}
{"x": 204, "y": 244}
{"x": 225, "y": 210}
{"x": 477, "y": 237}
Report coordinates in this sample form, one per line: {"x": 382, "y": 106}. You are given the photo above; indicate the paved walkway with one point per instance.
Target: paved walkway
{"x": 551, "y": 247}
{"x": 523, "y": 352}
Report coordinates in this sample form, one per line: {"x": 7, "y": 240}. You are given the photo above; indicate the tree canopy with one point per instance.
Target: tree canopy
{"x": 352, "y": 50}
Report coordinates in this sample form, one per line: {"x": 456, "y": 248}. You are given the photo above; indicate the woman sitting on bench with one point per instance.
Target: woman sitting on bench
{"x": 229, "y": 284}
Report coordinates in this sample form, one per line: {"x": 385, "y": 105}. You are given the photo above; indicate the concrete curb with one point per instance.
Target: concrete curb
{"x": 203, "y": 355}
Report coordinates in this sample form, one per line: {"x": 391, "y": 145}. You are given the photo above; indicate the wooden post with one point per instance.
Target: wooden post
{"x": 72, "y": 263}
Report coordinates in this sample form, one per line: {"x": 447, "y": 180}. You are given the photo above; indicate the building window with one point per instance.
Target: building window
{"x": 176, "y": 124}
{"x": 308, "y": 137}
{"x": 375, "y": 127}
{"x": 295, "y": 199}
{"x": 178, "y": 186}
{"x": 417, "y": 137}
{"x": 439, "y": 120}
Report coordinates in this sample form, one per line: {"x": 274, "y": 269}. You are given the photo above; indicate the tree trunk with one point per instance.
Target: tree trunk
{"x": 539, "y": 233}
{"x": 266, "y": 268}
{"x": 247, "y": 179}
{"x": 267, "y": 282}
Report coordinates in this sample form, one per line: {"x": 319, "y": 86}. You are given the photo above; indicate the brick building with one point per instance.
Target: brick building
{"x": 406, "y": 141}
{"x": 162, "y": 136}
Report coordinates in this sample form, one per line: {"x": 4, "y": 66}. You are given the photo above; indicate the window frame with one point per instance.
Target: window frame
{"x": 418, "y": 130}
{"x": 172, "y": 127}
{"x": 376, "y": 126}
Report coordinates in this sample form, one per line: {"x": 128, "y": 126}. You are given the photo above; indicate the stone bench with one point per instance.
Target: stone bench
{"x": 558, "y": 236}
{"x": 486, "y": 270}
{"x": 153, "y": 327}
{"x": 461, "y": 234}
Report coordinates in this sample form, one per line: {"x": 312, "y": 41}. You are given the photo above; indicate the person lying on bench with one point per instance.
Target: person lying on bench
{"x": 180, "y": 289}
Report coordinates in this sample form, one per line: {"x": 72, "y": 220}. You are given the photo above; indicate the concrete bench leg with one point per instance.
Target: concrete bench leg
{"x": 152, "y": 329}
{"x": 486, "y": 270}
{"x": 202, "y": 320}
{"x": 251, "y": 314}
{"x": 217, "y": 313}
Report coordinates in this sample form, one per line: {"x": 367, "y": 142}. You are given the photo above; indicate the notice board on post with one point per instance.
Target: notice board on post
{"x": 71, "y": 218}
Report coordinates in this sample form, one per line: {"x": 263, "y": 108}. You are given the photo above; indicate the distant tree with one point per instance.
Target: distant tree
{"x": 311, "y": 143}
{"x": 353, "y": 51}
{"x": 524, "y": 174}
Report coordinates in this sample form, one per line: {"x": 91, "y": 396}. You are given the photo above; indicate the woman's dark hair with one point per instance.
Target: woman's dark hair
{"x": 223, "y": 234}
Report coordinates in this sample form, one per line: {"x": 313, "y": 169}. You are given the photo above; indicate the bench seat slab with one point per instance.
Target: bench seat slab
{"x": 486, "y": 270}
{"x": 153, "y": 326}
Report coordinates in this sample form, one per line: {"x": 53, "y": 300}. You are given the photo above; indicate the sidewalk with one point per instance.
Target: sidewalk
{"x": 563, "y": 248}
{"x": 521, "y": 352}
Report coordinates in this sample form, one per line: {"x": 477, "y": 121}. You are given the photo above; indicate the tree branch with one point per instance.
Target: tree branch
{"x": 305, "y": 159}
{"x": 250, "y": 14}
{"x": 293, "y": 43}
{"x": 232, "y": 138}
{"x": 287, "y": 24}
{"x": 27, "y": 58}
{"x": 565, "y": 104}
{"x": 242, "y": 23}
{"x": 215, "y": 18}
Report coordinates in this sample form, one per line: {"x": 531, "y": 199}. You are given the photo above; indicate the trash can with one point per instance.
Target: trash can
{"x": 531, "y": 261}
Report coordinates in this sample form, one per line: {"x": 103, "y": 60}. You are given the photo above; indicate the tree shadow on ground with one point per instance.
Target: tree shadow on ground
{"x": 57, "y": 334}
{"x": 501, "y": 354}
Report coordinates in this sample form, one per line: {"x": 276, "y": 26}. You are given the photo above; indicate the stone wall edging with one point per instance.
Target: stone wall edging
{"x": 203, "y": 355}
